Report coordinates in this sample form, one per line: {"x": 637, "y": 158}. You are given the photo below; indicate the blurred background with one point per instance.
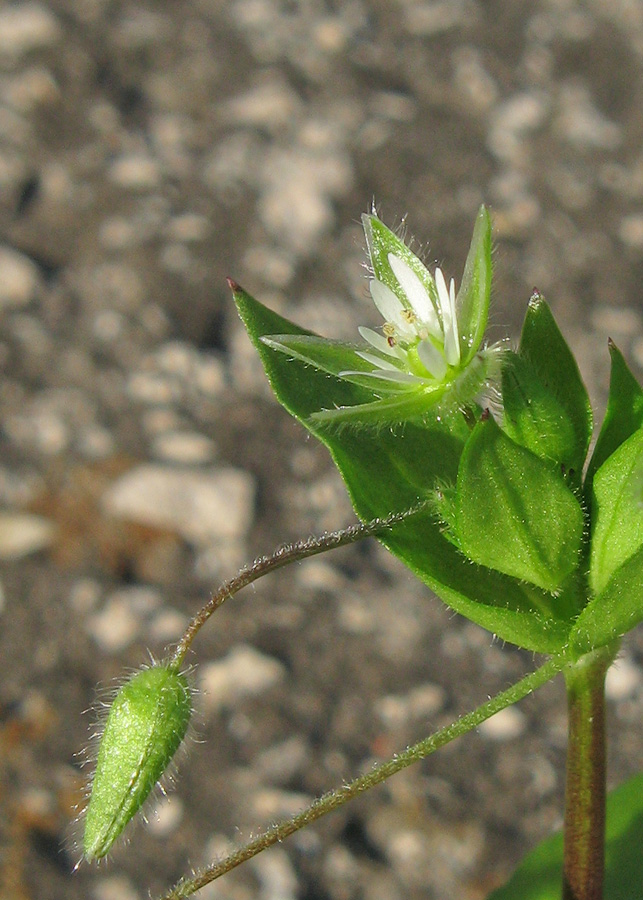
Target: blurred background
{"x": 147, "y": 151}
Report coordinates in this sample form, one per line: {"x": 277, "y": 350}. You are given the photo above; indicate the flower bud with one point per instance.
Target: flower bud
{"x": 146, "y": 723}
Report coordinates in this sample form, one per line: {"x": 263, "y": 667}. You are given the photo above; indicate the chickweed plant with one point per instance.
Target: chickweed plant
{"x": 470, "y": 462}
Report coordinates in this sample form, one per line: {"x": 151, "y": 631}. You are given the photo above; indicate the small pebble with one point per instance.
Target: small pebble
{"x": 25, "y": 27}
{"x": 631, "y": 231}
{"x": 507, "y": 724}
{"x": 166, "y": 816}
{"x": 135, "y": 172}
{"x": 276, "y": 875}
{"x": 202, "y": 506}
{"x": 119, "y": 622}
{"x": 114, "y": 887}
{"x": 167, "y": 625}
{"x": 616, "y": 320}
{"x": 22, "y": 534}
{"x": 623, "y": 679}
{"x": 184, "y": 447}
{"x": 19, "y": 278}
{"x": 244, "y": 672}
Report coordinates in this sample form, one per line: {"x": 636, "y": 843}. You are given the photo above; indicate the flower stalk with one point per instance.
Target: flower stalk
{"x": 379, "y": 773}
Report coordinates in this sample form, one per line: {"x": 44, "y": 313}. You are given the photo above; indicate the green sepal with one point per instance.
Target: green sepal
{"x": 390, "y": 470}
{"x": 515, "y": 514}
{"x": 539, "y": 876}
{"x": 380, "y": 241}
{"x": 474, "y": 295}
{"x": 533, "y": 415}
{"x": 146, "y": 723}
{"x": 546, "y": 349}
{"x": 623, "y": 416}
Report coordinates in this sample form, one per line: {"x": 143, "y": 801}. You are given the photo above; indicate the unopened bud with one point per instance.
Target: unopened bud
{"x": 147, "y": 721}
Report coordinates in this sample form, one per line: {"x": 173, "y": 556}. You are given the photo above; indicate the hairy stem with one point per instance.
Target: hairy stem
{"x": 334, "y": 799}
{"x": 283, "y": 556}
{"x": 584, "y": 829}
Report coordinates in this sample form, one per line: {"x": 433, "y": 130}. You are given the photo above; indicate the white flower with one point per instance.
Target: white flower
{"x": 419, "y": 341}
{"x": 427, "y": 358}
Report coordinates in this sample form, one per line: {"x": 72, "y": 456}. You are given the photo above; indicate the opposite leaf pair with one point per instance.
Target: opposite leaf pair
{"x": 514, "y": 538}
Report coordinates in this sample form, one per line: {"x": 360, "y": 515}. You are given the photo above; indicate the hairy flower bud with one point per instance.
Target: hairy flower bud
{"x": 147, "y": 721}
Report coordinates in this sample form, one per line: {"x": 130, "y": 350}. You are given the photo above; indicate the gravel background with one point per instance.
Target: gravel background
{"x": 146, "y": 152}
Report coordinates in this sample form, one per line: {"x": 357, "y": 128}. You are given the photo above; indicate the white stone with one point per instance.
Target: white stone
{"x": 631, "y": 231}
{"x": 244, "y": 672}
{"x": 114, "y": 887}
{"x": 25, "y": 27}
{"x": 623, "y": 679}
{"x": 184, "y": 447}
{"x": 167, "y": 625}
{"x": 135, "y": 171}
{"x": 115, "y": 626}
{"x": 166, "y": 816}
{"x": 507, "y": 724}
{"x": 203, "y": 507}
{"x": 23, "y": 533}
{"x": 276, "y": 876}
{"x": 19, "y": 278}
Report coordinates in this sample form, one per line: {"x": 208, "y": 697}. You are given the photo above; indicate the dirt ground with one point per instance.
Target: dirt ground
{"x": 147, "y": 151}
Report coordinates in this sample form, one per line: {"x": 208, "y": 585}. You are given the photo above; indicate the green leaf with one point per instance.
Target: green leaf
{"x": 624, "y": 414}
{"x": 475, "y": 291}
{"x": 515, "y": 514}
{"x": 616, "y": 610}
{"x": 533, "y": 416}
{"x": 539, "y": 876}
{"x": 392, "y": 469}
{"x": 546, "y": 349}
{"x": 328, "y": 356}
{"x": 617, "y": 512}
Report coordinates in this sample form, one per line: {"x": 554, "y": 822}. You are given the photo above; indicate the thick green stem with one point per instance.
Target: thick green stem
{"x": 584, "y": 858}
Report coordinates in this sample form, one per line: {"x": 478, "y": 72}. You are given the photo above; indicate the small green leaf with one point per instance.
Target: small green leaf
{"x": 475, "y": 291}
{"x": 539, "y": 876}
{"x": 616, "y": 610}
{"x": 546, "y": 349}
{"x": 515, "y": 514}
{"x": 533, "y": 416}
{"x": 624, "y": 414}
{"x": 147, "y": 721}
{"x": 617, "y": 512}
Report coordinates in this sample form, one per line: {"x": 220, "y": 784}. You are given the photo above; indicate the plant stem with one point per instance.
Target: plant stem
{"x": 281, "y": 557}
{"x": 379, "y": 773}
{"x": 584, "y": 856}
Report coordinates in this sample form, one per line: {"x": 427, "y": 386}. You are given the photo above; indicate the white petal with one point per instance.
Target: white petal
{"x": 389, "y": 307}
{"x": 416, "y": 293}
{"x": 432, "y": 359}
{"x": 380, "y": 342}
{"x": 449, "y": 317}
{"x": 377, "y": 361}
